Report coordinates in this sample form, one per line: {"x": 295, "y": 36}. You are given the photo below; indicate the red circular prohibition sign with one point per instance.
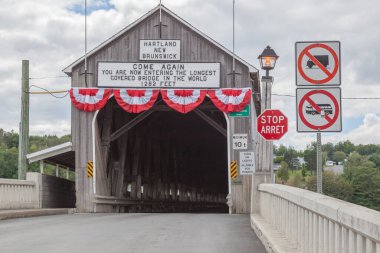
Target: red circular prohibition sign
{"x": 330, "y": 121}
{"x": 330, "y": 75}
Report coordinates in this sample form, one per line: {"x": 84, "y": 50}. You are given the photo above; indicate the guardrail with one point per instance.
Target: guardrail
{"x": 17, "y": 194}
{"x": 163, "y": 205}
{"x": 315, "y": 223}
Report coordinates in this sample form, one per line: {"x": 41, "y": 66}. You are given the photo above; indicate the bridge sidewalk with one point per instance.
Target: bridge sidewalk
{"x": 22, "y": 213}
{"x": 274, "y": 241}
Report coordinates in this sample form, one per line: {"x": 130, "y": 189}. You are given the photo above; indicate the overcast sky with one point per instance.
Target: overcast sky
{"x": 50, "y": 34}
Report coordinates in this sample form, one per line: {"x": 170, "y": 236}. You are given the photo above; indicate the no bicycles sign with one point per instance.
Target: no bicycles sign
{"x": 318, "y": 63}
{"x": 319, "y": 110}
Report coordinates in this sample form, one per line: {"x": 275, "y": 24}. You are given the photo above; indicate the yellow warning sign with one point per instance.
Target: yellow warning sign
{"x": 90, "y": 169}
{"x": 233, "y": 169}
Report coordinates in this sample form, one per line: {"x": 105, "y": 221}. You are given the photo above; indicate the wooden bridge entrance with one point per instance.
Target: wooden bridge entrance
{"x": 151, "y": 111}
{"x": 161, "y": 160}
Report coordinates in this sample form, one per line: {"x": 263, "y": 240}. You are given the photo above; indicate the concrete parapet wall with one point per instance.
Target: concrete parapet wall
{"x": 17, "y": 194}
{"x": 38, "y": 191}
{"x": 314, "y": 223}
{"x": 57, "y": 192}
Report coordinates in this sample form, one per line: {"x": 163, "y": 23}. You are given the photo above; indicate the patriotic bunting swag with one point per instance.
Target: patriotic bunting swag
{"x": 89, "y": 99}
{"x": 183, "y": 101}
{"x": 230, "y": 100}
{"x": 136, "y": 101}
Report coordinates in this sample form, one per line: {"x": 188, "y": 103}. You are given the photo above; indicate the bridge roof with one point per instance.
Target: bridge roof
{"x": 62, "y": 154}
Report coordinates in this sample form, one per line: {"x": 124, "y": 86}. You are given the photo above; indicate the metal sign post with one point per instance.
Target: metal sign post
{"x": 319, "y": 163}
{"x": 319, "y": 109}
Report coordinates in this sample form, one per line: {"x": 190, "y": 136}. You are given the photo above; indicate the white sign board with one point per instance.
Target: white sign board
{"x": 318, "y": 63}
{"x": 247, "y": 163}
{"x": 160, "y": 50}
{"x": 319, "y": 110}
{"x": 240, "y": 141}
{"x": 159, "y": 75}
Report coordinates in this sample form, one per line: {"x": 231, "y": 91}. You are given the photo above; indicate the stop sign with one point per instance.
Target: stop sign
{"x": 272, "y": 124}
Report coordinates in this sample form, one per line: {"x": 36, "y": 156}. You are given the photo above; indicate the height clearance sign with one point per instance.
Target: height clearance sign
{"x": 319, "y": 110}
{"x": 318, "y": 63}
{"x": 272, "y": 124}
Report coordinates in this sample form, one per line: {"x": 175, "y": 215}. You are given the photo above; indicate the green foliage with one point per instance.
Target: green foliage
{"x": 8, "y": 163}
{"x": 9, "y": 151}
{"x": 375, "y": 158}
{"x": 347, "y": 147}
{"x": 310, "y": 156}
{"x": 280, "y": 151}
{"x": 296, "y": 179}
{"x": 278, "y": 159}
{"x": 360, "y": 182}
{"x": 368, "y": 149}
{"x": 333, "y": 185}
{"x": 339, "y": 156}
{"x": 365, "y": 179}
{"x": 328, "y": 149}
{"x": 283, "y": 172}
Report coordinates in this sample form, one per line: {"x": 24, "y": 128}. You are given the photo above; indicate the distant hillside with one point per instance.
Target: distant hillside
{"x": 9, "y": 150}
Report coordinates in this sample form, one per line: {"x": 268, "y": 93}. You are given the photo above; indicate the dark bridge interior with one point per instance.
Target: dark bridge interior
{"x": 161, "y": 160}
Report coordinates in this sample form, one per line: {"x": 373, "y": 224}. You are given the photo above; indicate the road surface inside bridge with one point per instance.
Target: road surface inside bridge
{"x": 135, "y": 233}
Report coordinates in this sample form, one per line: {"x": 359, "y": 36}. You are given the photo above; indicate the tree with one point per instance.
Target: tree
{"x": 333, "y": 185}
{"x": 283, "y": 172}
{"x": 354, "y": 161}
{"x": 280, "y": 151}
{"x": 290, "y": 157}
{"x": 328, "y": 149}
{"x": 310, "y": 156}
{"x": 346, "y": 146}
{"x": 339, "y": 156}
{"x": 368, "y": 149}
{"x": 365, "y": 179}
{"x": 8, "y": 163}
{"x": 375, "y": 158}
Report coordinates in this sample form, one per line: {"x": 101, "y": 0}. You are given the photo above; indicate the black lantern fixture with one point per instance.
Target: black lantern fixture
{"x": 268, "y": 59}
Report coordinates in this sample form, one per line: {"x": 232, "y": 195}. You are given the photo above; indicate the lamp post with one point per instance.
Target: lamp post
{"x": 267, "y": 60}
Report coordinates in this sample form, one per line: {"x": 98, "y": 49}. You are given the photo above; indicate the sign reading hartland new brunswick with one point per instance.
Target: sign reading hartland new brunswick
{"x": 159, "y": 75}
{"x": 160, "y": 50}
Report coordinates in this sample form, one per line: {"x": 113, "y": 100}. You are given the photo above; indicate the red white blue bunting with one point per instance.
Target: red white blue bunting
{"x": 183, "y": 101}
{"x": 136, "y": 101}
{"x": 230, "y": 100}
{"x": 89, "y": 99}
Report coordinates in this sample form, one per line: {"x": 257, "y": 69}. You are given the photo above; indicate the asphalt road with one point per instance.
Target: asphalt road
{"x": 135, "y": 233}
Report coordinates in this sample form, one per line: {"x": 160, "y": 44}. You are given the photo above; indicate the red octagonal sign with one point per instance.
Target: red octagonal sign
{"x": 272, "y": 124}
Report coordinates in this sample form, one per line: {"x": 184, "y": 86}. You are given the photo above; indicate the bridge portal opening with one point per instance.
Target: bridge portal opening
{"x": 161, "y": 160}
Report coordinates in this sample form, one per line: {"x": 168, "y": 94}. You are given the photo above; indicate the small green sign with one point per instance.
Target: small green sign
{"x": 242, "y": 113}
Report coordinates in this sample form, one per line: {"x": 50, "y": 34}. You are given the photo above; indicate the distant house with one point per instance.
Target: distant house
{"x": 330, "y": 163}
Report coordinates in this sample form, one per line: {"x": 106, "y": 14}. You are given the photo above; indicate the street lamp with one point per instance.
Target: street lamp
{"x": 268, "y": 59}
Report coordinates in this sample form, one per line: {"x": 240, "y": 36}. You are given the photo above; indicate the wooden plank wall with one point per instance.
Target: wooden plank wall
{"x": 194, "y": 48}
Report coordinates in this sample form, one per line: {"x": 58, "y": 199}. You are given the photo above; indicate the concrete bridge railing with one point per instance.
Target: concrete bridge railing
{"x": 18, "y": 194}
{"x": 38, "y": 191}
{"x": 296, "y": 220}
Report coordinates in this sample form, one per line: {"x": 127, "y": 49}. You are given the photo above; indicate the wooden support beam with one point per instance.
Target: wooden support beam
{"x": 211, "y": 122}
{"x": 130, "y": 124}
